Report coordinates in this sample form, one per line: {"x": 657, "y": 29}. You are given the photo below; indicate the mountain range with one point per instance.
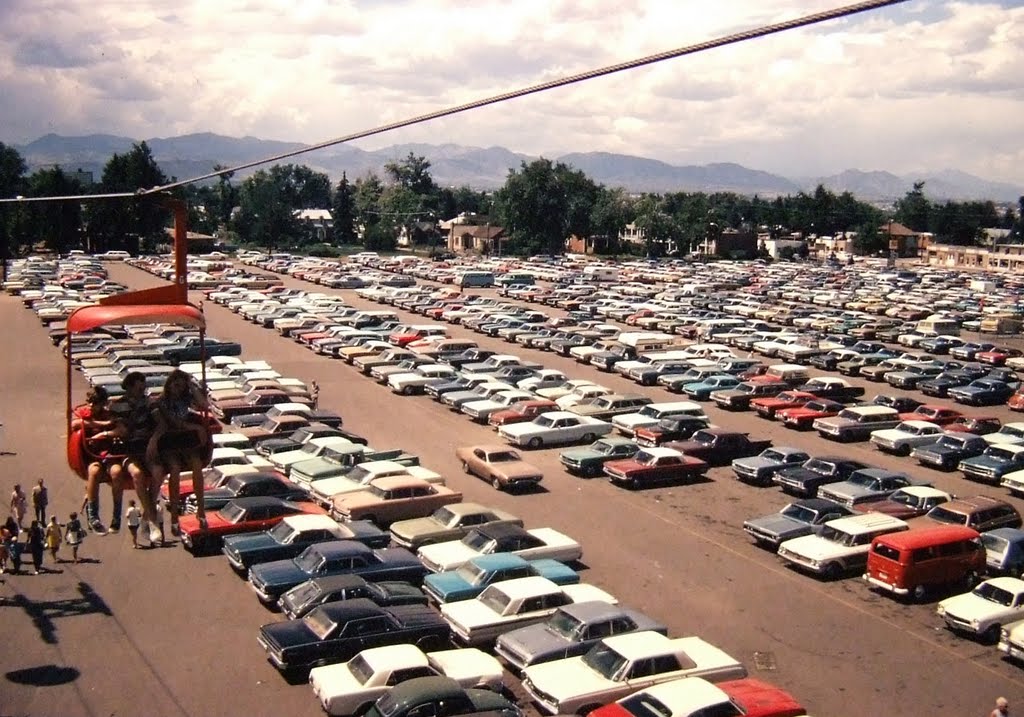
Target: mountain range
{"x": 487, "y": 168}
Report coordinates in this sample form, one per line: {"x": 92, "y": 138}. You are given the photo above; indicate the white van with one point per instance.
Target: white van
{"x": 938, "y": 325}
{"x": 600, "y": 273}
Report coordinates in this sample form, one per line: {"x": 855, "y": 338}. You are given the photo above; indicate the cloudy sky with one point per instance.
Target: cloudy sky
{"x": 926, "y": 85}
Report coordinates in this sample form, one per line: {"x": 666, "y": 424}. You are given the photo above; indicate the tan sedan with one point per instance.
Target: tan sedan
{"x": 499, "y": 465}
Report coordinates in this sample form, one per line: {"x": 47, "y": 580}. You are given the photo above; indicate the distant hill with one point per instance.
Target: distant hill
{"x": 487, "y": 168}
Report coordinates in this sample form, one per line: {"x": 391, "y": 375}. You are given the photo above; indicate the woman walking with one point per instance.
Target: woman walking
{"x": 53, "y": 537}
{"x": 36, "y": 545}
{"x": 19, "y": 505}
{"x": 73, "y": 535}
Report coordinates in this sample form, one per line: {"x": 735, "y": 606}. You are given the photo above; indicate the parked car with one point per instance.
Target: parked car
{"x": 351, "y": 688}
{"x": 313, "y": 593}
{"x": 589, "y": 461}
{"x": 244, "y": 515}
{"x": 622, "y": 664}
{"x": 906, "y": 503}
{"x": 983, "y": 611}
{"x": 796, "y": 519}
{"x": 532, "y": 544}
{"x": 803, "y": 417}
{"x": 512, "y": 604}
{"x": 293, "y": 535}
{"x": 718, "y": 446}
{"x": 674, "y": 428}
{"x": 392, "y": 498}
{"x": 559, "y": 427}
{"x": 1004, "y": 548}
{"x": 905, "y": 437}
{"x": 338, "y": 631}
{"x": 442, "y": 696}
{"x": 449, "y": 522}
{"x": 867, "y": 485}
{"x": 759, "y": 469}
{"x": 805, "y": 480}
{"x": 570, "y": 631}
{"x": 979, "y": 512}
{"x": 949, "y": 450}
{"x": 471, "y": 578}
{"x": 995, "y": 462}
{"x": 653, "y": 466}
{"x": 500, "y": 466}
{"x": 697, "y": 697}
{"x": 337, "y": 557}
{"x": 842, "y": 545}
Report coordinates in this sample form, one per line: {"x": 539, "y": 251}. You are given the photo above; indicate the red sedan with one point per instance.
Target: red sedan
{"x": 939, "y": 415}
{"x": 242, "y": 515}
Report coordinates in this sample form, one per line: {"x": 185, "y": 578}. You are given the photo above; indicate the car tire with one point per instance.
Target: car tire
{"x": 406, "y": 390}
{"x": 496, "y": 483}
{"x": 919, "y": 593}
{"x": 589, "y": 438}
{"x": 970, "y": 580}
{"x": 465, "y": 468}
{"x": 535, "y": 442}
{"x": 903, "y": 451}
{"x": 991, "y": 635}
{"x": 832, "y": 571}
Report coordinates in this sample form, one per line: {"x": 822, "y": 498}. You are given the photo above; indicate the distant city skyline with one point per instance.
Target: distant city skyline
{"x": 919, "y": 87}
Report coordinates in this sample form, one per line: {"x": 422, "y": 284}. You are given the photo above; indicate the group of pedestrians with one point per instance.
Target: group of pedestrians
{"x": 41, "y": 535}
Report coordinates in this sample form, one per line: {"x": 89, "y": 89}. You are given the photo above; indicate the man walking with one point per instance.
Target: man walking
{"x": 40, "y": 499}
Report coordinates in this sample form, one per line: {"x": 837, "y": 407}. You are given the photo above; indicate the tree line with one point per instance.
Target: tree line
{"x": 541, "y": 204}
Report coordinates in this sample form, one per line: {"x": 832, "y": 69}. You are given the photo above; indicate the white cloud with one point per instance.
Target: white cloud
{"x": 925, "y": 85}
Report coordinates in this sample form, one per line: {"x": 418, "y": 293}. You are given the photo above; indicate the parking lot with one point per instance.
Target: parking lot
{"x": 179, "y": 633}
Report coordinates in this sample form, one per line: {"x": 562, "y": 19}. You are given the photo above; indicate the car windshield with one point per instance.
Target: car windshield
{"x": 994, "y": 543}
{"x": 496, "y": 599}
{"x": 950, "y": 442}
{"x": 988, "y": 591}
{"x": 444, "y": 516}
{"x": 359, "y": 474}
{"x": 903, "y": 497}
{"x": 472, "y": 573}
{"x": 360, "y": 669}
{"x": 502, "y": 457}
{"x": 1000, "y": 454}
{"x": 309, "y": 560}
{"x": 283, "y": 533}
{"x": 477, "y": 541}
{"x": 563, "y": 624}
{"x": 605, "y": 661}
{"x": 942, "y": 515}
{"x": 303, "y": 593}
{"x": 1011, "y": 431}
{"x": 798, "y": 513}
{"x": 815, "y": 406}
{"x": 863, "y": 480}
{"x": 646, "y": 705}
{"x": 703, "y": 437}
{"x": 602, "y": 447}
{"x": 776, "y": 456}
{"x": 644, "y": 458}
{"x": 311, "y": 448}
{"x": 232, "y": 513}
{"x": 834, "y": 535}
{"x": 319, "y": 623}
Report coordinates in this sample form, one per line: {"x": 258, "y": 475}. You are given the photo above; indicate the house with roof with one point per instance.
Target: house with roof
{"x": 473, "y": 234}
{"x": 318, "y": 222}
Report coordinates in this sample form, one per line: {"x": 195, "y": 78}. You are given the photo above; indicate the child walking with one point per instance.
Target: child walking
{"x": 133, "y": 517}
{"x": 73, "y": 534}
{"x": 53, "y": 537}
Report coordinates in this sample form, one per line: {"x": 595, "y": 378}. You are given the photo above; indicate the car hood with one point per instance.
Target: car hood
{"x": 276, "y": 573}
{"x": 249, "y": 541}
{"x": 757, "y": 462}
{"x": 449, "y": 584}
{"x": 417, "y": 526}
{"x": 890, "y": 507}
{"x": 778, "y": 524}
{"x": 521, "y": 429}
{"x": 447, "y": 556}
{"x": 567, "y": 678}
{"x": 534, "y": 640}
{"x": 516, "y": 469}
{"x": 471, "y": 614}
{"x": 971, "y": 607}
{"x": 582, "y": 454}
{"x": 812, "y": 547}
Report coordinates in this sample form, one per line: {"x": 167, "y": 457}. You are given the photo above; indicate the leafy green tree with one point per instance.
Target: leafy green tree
{"x": 13, "y": 228}
{"x": 412, "y": 173}
{"x": 914, "y": 210}
{"x": 611, "y": 212}
{"x": 542, "y": 204}
{"x": 344, "y": 213}
{"x": 368, "y": 192}
{"x": 58, "y": 224}
{"x": 124, "y": 224}
{"x": 266, "y": 214}
{"x": 869, "y": 239}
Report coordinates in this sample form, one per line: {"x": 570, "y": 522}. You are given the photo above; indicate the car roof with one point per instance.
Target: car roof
{"x": 687, "y": 696}
{"x": 399, "y": 481}
{"x": 336, "y": 548}
{"x": 589, "y": 610}
{"x": 637, "y": 644}
{"x": 345, "y": 610}
{"x": 256, "y": 501}
{"x": 491, "y": 447}
{"x": 311, "y": 522}
{"x": 499, "y": 530}
{"x": 865, "y": 523}
{"x": 519, "y": 588}
{"x": 660, "y": 451}
{"x": 924, "y": 537}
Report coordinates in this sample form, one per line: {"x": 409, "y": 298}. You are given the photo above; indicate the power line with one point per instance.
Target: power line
{"x": 743, "y": 36}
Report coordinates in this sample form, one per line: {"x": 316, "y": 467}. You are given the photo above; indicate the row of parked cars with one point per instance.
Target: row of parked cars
{"x": 593, "y": 628}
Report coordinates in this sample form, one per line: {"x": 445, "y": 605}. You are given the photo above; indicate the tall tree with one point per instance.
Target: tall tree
{"x": 120, "y": 223}
{"x": 914, "y": 209}
{"x": 413, "y": 173}
{"x": 266, "y": 214}
{"x": 611, "y": 213}
{"x": 344, "y": 213}
{"x": 58, "y": 224}
{"x": 542, "y": 204}
{"x": 367, "y": 200}
{"x": 13, "y": 231}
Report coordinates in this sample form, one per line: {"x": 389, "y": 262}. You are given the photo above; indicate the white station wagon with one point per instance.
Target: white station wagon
{"x": 841, "y": 547}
